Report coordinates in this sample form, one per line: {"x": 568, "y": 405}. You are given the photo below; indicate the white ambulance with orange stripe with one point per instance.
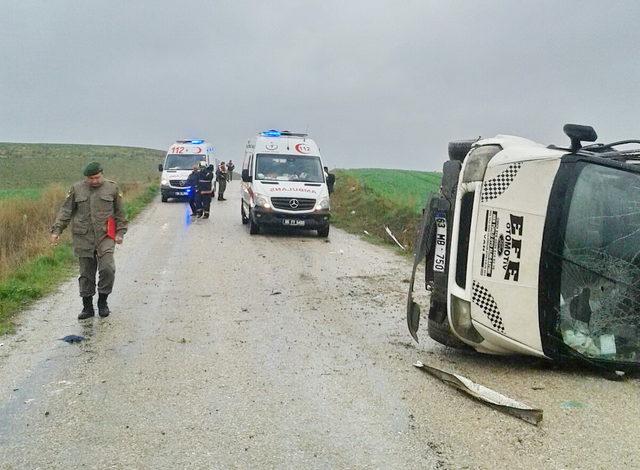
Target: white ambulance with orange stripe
{"x": 283, "y": 183}
{"x": 178, "y": 164}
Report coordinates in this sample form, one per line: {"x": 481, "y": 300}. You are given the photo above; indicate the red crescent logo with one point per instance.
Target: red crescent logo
{"x": 199, "y": 150}
{"x": 303, "y": 148}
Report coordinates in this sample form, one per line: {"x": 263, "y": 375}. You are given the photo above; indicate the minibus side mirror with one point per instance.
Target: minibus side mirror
{"x": 245, "y": 176}
{"x": 160, "y": 167}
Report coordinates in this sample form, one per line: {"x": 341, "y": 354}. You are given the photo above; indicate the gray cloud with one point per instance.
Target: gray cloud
{"x": 377, "y": 83}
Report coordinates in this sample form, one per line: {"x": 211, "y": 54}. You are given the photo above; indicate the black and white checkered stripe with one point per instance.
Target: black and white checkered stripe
{"x": 484, "y": 300}
{"x": 498, "y": 185}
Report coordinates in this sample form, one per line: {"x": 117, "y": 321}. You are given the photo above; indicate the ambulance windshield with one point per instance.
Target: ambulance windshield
{"x": 599, "y": 309}
{"x": 289, "y": 168}
{"x": 182, "y": 161}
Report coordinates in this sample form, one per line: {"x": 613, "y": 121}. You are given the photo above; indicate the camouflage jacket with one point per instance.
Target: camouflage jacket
{"x": 88, "y": 209}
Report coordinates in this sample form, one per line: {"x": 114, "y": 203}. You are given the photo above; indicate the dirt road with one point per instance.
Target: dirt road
{"x": 226, "y": 350}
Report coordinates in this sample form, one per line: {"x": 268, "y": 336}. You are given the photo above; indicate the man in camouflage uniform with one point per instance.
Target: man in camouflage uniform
{"x": 221, "y": 178}
{"x": 89, "y": 206}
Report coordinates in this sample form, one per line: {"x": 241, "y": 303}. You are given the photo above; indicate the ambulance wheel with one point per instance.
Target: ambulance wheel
{"x": 254, "y": 228}
{"x": 323, "y": 232}
{"x": 245, "y": 219}
{"x": 443, "y": 335}
{"x": 164, "y": 198}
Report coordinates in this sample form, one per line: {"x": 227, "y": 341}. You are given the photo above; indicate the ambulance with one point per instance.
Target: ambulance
{"x": 283, "y": 183}
{"x": 178, "y": 164}
{"x": 535, "y": 250}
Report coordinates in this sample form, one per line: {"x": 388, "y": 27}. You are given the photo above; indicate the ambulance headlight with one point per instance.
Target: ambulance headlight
{"x": 262, "y": 201}
{"x": 323, "y": 204}
{"x": 164, "y": 182}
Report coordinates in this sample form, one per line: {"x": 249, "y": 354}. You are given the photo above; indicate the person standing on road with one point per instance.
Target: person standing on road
{"x": 331, "y": 179}
{"x": 205, "y": 189}
{"x": 192, "y": 186}
{"x": 221, "y": 178}
{"x": 98, "y": 222}
{"x": 230, "y": 168}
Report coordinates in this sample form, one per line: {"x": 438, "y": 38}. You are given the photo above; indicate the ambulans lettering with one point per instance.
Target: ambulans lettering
{"x": 299, "y": 190}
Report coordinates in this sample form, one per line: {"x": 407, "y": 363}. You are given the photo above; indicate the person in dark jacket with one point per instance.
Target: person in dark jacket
{"x": 331, "y": 179}
{"x": 206, "y": 190}
{"x": 194, "y": 197}
{"x": 230, "y": 168}
{"x": 221, "y": 178}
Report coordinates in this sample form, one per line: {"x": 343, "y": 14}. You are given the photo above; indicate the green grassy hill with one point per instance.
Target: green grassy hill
{"x": 27, "y": 168}
{"x": 33, "y": 182}
{"x": 370, "y": 199}
{"x": 403, "y": 187}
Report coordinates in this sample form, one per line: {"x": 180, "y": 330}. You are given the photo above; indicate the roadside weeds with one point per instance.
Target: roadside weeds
{"x": 29, "y": 267}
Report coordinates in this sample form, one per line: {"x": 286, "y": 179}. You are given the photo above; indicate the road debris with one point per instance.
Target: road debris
{"x": 486, "y": 395}
{"x": 572, "y": 405}
{"x": 72, "y": 339}
{"x": 181, "y": 340}
{"x": 393, "y": 237}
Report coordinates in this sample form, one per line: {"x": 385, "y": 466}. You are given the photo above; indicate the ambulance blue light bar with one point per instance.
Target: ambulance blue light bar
{"x": 197, "y": 141}
{"x": 191, "y": 141}
{"x": 271, "y": 133}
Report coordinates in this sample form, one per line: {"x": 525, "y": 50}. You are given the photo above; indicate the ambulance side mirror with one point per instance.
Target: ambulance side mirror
{"x": 245, "y": 176}
{"x": 160, "y": 167}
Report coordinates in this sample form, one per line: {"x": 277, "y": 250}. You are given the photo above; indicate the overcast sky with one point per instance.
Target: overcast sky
{"x": 376, "y": 83}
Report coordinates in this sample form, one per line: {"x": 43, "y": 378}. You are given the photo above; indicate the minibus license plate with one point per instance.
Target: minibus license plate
{"x": 440, "y": 252}
{"x": 293, "y": 222}
{"x": 181, "y": 193}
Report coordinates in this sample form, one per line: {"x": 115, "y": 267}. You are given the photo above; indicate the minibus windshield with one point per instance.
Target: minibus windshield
{"x": 599, "y": 307}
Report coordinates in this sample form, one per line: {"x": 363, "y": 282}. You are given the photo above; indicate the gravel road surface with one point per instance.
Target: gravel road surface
{"x": 280, "y": 350}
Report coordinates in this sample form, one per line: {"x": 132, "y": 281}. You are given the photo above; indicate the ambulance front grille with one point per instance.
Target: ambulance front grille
{"x": 293, "y": 203}
{"x": 179, "y": 183}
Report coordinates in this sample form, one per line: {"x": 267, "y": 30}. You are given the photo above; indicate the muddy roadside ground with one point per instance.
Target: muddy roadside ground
{"x": 226, "y": 350}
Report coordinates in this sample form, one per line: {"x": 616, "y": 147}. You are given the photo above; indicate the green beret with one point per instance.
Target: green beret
{"x": 92, "y": 168}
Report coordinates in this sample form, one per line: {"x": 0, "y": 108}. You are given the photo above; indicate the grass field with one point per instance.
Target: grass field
{"x": 402, "y": 187}
{"x": 367, "y": 200}
{"x": 33, "y": 183}
{"x": 28, "y": 167}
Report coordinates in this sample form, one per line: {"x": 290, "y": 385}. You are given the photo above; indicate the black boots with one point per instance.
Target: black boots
{"x": 87, "y": 308}
{"x": 103, "y": 308}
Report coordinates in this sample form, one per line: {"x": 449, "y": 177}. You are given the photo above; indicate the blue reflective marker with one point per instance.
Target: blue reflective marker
{"x": 271, "y": 133}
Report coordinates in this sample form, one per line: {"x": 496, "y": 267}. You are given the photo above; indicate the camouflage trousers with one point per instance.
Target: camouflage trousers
{"x": 105, "y": 266}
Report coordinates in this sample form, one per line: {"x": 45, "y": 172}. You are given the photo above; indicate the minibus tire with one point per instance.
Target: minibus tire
{"x": 164, "y": 198}
{"x": 458, "y": 149}
{"x": 443, "y": 335}
{"x": 254, "y": 228}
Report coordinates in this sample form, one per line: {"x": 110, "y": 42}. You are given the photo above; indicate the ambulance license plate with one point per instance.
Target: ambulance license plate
{"x": 440, "y": 252}
{"x": 293, "y": 222}
{"x": 181, "y": 193}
